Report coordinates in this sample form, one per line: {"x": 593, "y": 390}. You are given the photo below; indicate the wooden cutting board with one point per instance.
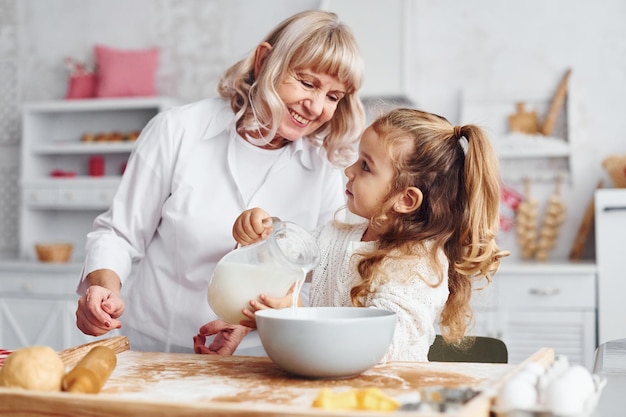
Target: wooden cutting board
{"x": 523, "y": 120}
{"x": 166, "y": 384}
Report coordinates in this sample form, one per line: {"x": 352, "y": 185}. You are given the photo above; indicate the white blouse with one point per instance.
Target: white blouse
{"x": 417, "y": 305}
{"x": 174, "y": 210}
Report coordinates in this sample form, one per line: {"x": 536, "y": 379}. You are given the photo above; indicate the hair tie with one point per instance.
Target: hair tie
{"x": 457, "y": 132}
{"x": 458, "y": 136}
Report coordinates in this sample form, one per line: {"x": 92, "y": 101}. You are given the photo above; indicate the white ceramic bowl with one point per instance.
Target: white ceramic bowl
{"x": 326, "y": 342}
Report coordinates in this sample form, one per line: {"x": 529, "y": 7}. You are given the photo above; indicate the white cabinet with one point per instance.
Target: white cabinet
{"x": 38, "y": 304}
{"x": 610, "y": 219}
{"x": 485, "y": 305}
{"x": 536, "y": 305}
{"x": 381, "y": 29}
{"x": 38, "y": 300}
{"x": 62, "y": 207}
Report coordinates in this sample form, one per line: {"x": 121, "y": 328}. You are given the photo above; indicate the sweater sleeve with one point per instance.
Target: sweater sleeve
{"x": 417, "y": 305}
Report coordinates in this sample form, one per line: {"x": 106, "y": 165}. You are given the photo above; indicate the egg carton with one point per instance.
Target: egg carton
{"x": 556, "y": 391}
{"x": 543, "y": 411}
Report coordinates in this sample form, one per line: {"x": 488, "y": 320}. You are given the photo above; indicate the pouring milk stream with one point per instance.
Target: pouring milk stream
{"x": 269, "y": 267}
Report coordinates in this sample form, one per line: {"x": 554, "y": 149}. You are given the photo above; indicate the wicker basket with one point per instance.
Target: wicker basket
{"x": 54, "y": 252}
{"x": 615, "y": 166}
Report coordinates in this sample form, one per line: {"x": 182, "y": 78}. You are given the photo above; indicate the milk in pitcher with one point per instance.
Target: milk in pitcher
{"x": 234, "y": 284}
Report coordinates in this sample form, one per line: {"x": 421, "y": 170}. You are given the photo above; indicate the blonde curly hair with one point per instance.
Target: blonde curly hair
{"x": 456, "y": 169}
{"x": 314, "y": 40}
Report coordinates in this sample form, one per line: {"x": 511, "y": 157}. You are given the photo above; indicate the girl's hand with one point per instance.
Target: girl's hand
{"x": 251, "y": 226}
{"x": 264, "y": 302}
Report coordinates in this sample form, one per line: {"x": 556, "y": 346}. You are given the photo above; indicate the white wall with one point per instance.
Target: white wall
{"x": 498, "y": 48}
{"x": 522, "y": 49}
{"x": 198, "y": 38}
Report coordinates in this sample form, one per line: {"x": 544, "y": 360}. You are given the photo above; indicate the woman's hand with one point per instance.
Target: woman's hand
{"x": 101, "y": 305}
{"x": 251, "y": 226}
{"x": 227, "y": 338}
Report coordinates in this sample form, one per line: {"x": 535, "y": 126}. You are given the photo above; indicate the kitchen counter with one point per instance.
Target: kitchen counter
{"x": 514, "y": 266}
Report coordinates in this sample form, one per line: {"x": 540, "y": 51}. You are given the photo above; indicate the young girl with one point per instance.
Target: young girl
{"x": 430, "y": 193}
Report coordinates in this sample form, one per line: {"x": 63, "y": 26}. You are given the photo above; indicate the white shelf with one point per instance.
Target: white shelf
{"x": 73, "y": 147}
{"x": 63, "y": 208}
{"x": 35, "y": 267}
{"x": 77, "y": 193}
{"x": 98, "y": 104}
{"x": 80, "y": 181}
{"x": 551, "y": 267}
{"x": 519, "y": 146}
{"x": 535, "y": 157}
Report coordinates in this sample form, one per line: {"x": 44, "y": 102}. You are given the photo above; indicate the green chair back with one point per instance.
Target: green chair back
{"x": 483, "y": 349}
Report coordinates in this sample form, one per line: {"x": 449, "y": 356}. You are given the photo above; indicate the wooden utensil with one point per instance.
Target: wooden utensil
{"x": 585, "y": 227}
{"x": 91, "y": 372}
{"x": 73, "y": 355}
{"x": 524, "y": 121}
{"x": 555, "y": 107}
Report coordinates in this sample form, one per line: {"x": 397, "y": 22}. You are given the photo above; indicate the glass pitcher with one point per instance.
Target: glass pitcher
{"x": 268, "y": 267}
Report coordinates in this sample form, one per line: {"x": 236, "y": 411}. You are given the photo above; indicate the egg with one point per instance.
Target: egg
{"x": 582, "y": 378}
{"x": 562, "y": 399}
{"x": 517, "y": 394}
{"x": 528, "y": 376}
{"x": 534, "y": 368}
{"x": 567, "y": 394}
{"x": 560, "y": 365}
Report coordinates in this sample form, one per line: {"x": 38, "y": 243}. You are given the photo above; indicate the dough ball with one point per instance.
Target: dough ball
{"x": 33, "y": 368}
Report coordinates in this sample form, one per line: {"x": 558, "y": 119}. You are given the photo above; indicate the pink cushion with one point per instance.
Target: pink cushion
{"x": 124, "y": 73}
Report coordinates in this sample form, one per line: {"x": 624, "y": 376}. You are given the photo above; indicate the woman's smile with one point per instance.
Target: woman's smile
{"x": 299, "y": 118}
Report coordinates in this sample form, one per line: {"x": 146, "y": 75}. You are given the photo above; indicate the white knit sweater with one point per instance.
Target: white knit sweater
{"x": 405, "y": 292}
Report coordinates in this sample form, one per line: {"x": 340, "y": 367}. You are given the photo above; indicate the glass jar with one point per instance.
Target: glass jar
{"x": 269, "y": 267}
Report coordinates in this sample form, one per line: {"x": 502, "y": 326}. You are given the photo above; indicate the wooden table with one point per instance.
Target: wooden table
{"x": 166, "y": 384}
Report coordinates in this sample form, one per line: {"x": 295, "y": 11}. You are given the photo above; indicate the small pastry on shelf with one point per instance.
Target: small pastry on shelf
{"x": 88, "y": 137}
{"x": 132, "y": 136}
{"x": 115, "y": 137}
{"x": 101, "y": 137}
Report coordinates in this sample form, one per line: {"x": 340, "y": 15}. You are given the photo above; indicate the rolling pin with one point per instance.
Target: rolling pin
{"x": 91, "y": 372}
